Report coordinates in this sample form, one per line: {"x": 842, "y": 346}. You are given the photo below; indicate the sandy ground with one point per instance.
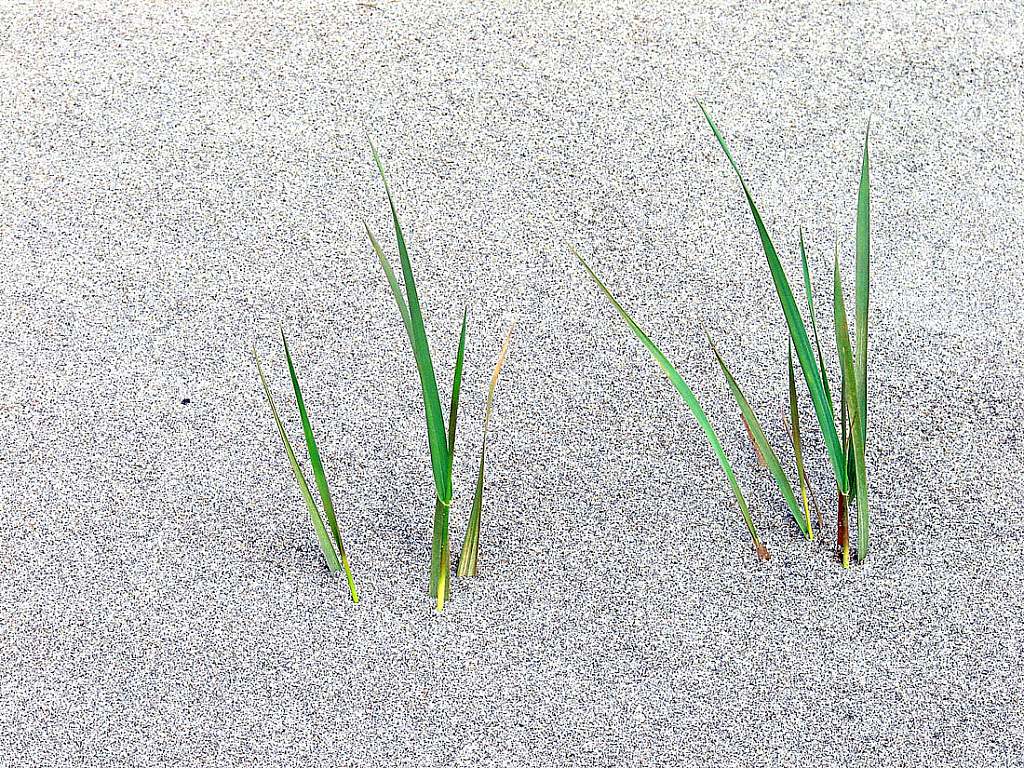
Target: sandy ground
{"x": 180, "y": 179}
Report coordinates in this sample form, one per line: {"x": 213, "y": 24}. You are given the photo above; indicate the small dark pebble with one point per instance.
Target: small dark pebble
{"x": 186, "y": 401}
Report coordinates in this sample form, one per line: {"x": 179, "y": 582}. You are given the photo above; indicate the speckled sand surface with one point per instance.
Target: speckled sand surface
{"x": 179, "y": 179}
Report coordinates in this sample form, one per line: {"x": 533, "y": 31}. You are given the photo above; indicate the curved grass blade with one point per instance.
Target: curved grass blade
{"x": 471, "y": 541}
{"x": 441, "y": 544}
{"x": 318, "y": 470}
{"x": 852, "y": 404}
{"x": 762, "y": 442}
{"x": 453, "y": 410}
{"x": 314, "y": 514}
{"x": 793, "y": 427}
{"x": 396, "y": 290}
{"x": 683, "y": 389}
{"x": 440, "y": 459}
{"x": 796, "y": 327}
{"x": 860, "y": 363}
{"x": 421, "y": 351}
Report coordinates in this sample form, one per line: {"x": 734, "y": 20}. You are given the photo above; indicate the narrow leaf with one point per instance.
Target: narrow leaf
{"x": 453, "y": 410}
{"x": 762, "y": 442}
{"x": 396, "y": 289}
{"x": 421, "y": 350}
{"x": 861, "y": 301}
{"x": 793, "y": 427}
{"x": 318, "y": 468}
{"x": 852, "y": 399}
{"x": 683, "y": 389}
{"x": 314, "y": 514}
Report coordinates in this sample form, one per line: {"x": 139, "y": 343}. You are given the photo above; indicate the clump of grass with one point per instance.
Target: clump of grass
{"x": 334, "y": 552}
{"x": 846, "y": 446}
{"x": 441, "y": 441}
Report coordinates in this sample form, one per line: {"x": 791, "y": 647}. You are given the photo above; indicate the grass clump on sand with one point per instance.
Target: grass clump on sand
{"x": 441, "y": 441}
{"x": 846, "y": 445}
{"x": 333, "y": 551}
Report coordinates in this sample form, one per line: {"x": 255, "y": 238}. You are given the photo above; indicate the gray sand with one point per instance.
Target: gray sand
{"x": 180, "y": 179}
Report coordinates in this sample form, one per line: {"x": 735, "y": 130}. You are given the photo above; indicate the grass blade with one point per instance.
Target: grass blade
{"x": 453, "y": 410}
{"x": 421, "y": 351}
{"x": 440, "y": 459}
{"x": 796, "y": 328}
{"x": 314, "y": 514}
{"x": 683, "y": 389}
{"x": 471, "y": 541}
{"x": 793, "y": 427}
{"x": 762, "y": 443}
{"x": 318, "y": 470}
{"x": 852, "y": 401}
{"x": 441, "y": 545}
{"x": 861, "y": 301}
{"x": 392, "y": 281}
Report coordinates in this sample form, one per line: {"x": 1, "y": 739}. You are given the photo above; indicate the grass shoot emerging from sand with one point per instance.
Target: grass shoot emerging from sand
{"x": 440, "y": 440}
{"x": 334, "y": 552}
{"x": 846, "y": 447}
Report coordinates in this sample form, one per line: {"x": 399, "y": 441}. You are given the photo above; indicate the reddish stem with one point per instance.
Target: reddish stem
{"x": 844, "y": 531}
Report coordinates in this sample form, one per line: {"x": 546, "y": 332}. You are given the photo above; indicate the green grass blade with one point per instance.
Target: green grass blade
{"x": 318, "y": 469}
{"x": 861, "y": 301}
{"x": 762, "y": 442}
{"x": 314, "y": 514}
{"x": 796, "y": 327}
{"x": 852, "y": 403}
{"x": 392, "y": 281}
{"x": 794, "y": 436}
{"x": 453, "y": 410}
{"x": 471, "y": 541}
{"x": 421, "y": 350}
{"x": 814, "y": 325}
{"x": 683, "y": 389}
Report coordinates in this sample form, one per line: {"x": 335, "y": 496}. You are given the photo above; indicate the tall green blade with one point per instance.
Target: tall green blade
{"x": 861, "y": 301}
{"x": 396, "y": 289}
{"x": 314, "y": 514}
{"x": 318, "y": 469}
{"x": 762, "y": 443}
{"x": 794, "y": 435}
{"x": 421, "y": 350}
{"x": 453, "y": 410}
{"x": 852, "y": 402}
{"x": 814, "y": 325}
{"x": 683, "y": 389}
{"x": 796, "y": 327}
{"x": 440, "y": 552}
{"x": 471, "y": 541}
